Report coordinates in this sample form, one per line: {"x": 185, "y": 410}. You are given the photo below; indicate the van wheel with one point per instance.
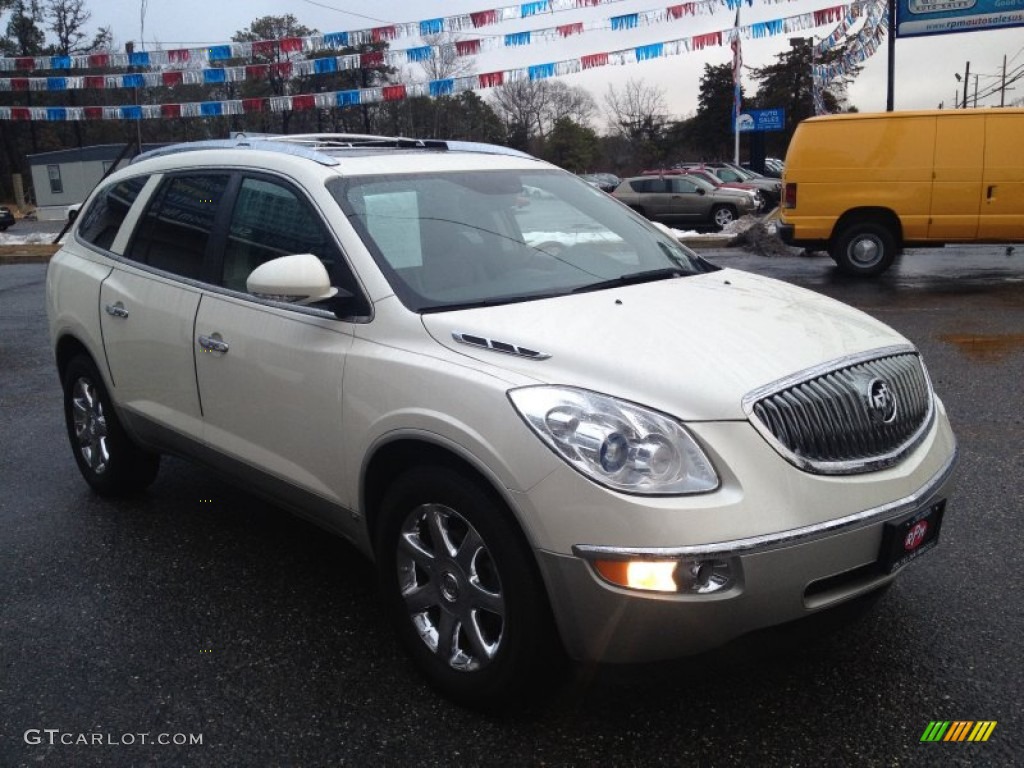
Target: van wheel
{"x": 864, "y": 249}
{"x": 459, "y": 582}
{"x": 723, "y": 215}
{"x": 108, "y": 459}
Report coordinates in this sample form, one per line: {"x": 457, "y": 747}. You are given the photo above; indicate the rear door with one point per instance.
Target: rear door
{"x": 1002, "y": 189}
{"x": 956, "y": 181}
{"x": 686, "y": 204}
{"x": 148, "y": 304}
{"x": 651, "y": 196}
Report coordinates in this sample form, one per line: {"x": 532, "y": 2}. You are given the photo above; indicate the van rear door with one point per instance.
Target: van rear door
{"x": 1002, "y": 192}
{"x": 956, "y": 186}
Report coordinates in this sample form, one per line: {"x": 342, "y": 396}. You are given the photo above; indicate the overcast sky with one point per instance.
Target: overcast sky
{"x": 925, "y": 67}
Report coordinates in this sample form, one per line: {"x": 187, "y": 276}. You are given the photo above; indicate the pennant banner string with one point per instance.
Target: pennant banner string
{"x": 396, "y": 92}
{"x": 211, "y": 54}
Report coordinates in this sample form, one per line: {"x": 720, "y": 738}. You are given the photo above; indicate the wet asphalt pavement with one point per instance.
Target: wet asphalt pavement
{"x": 197, "y": 609}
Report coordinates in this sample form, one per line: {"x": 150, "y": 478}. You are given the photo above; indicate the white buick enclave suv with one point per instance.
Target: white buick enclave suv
{"x": 549, "y": 423}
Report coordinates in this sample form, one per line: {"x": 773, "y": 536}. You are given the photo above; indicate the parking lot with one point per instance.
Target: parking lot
{"x": 198, "y": 609}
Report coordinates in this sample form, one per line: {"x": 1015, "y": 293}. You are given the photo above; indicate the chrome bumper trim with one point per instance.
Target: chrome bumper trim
{"x": 770, "y": 541}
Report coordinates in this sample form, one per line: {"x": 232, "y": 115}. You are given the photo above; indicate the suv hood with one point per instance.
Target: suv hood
{"x": 691, "y": 347}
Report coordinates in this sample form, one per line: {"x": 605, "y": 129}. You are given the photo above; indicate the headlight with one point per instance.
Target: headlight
{"x": 618, "y": 444}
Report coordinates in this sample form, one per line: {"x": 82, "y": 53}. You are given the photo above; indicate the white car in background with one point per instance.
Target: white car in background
{"x": 611, "y": 447}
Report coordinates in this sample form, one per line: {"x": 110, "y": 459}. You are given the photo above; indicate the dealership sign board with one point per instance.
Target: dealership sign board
{"x": 761, "y": 120}
{"x": 916, "y": 18}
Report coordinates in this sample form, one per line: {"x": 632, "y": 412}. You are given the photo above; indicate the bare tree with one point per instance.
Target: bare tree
{"x": 521, "y": 104}
{"x": 568, "y": 101}
{"x": 532, "y": 107}
{"x": 638, "y": 111}
{"x": 444, "y": 60}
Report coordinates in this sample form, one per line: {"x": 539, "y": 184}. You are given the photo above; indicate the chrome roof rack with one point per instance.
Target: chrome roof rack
{"x": 315, "y": 146}
{"x": 351, "y": 140}
{"x": 269, "y": 144}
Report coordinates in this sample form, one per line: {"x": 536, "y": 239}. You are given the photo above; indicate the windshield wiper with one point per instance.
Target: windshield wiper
{"x": 632, "y": 278}
{"x": 492, "y": 302}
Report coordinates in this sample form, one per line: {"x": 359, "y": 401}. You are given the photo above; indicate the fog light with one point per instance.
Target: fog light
{"x": 694, "y": 577}
{"x": 704, "y": 577}
{"x": 650, "y": 575}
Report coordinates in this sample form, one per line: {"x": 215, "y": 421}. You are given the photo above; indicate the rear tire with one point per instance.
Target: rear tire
{"x": 864, "y": 249}
{"x": 111, "y": 463}
{"x": 462, "y": 588}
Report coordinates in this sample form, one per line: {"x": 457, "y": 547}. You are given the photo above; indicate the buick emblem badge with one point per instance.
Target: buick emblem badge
{"x": 881, "y": 402}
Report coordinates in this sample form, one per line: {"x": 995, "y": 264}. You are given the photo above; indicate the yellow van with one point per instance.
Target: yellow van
{"x": 864, "y": 186}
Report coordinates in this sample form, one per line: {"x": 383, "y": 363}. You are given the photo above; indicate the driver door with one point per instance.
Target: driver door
{"x": 270, "y": 375}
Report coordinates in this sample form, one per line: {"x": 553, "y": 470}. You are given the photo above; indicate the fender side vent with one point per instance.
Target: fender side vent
{"x": 499, "y": 346}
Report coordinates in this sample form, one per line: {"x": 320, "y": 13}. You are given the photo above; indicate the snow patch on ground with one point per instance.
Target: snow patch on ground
{"x": 32, "y": 238}
{"x": 690, "y": 234}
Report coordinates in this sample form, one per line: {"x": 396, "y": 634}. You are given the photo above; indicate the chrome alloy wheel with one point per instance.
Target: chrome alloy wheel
{"x": 90, "y": 424}
{"x": 450, "y": 586}
{"x": 723, "y": 217}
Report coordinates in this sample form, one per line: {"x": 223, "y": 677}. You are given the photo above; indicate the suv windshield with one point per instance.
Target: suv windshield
{"x": 470, "y": 238}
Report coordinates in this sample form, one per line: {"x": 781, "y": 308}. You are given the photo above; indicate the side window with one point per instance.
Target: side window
{"x": 683, "y": 186}
{"x": 270, "y": 220}
{"x": 174, "y": 232}
{"x": 726, "y": 175}
{"x": 648, "y": 185}
{"x": 100, "y": 223}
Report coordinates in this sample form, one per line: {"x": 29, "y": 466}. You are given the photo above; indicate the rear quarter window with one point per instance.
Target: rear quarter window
{"x": 101, "y": 222}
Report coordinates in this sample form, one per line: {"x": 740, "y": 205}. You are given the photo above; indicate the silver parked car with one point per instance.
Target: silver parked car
{"x": 682, "y": 200}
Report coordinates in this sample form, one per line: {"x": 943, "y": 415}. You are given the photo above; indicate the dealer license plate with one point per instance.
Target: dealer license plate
{"x": 903, "y": 541}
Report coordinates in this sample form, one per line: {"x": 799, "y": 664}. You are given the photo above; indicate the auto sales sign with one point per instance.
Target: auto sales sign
{"x": 917, "y": 18}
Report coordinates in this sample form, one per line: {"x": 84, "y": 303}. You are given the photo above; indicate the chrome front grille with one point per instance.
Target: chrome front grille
{"x": 858, "y": 415}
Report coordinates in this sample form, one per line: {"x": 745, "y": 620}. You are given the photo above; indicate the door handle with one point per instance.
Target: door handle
{"x": 991, "y": 189}
{"x": 213, "y": 344}
{"x": 116, "y": 310}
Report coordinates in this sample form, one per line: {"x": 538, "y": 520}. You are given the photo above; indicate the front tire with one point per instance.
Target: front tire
{"x": 462, "y": 589}
{"x": 723, "y": 215}
{"x": 864, "y": 249}
{"x": 111, "y": 463}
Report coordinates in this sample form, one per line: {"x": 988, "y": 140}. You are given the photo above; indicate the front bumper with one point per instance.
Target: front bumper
{"x": 781, "y": 577}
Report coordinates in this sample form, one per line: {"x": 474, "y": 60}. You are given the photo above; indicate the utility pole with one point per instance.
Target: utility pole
{"x": 975, "y": 105}
{"x": 890, "y": 84}
{"x": 967, "y": 76}
{"x": 1002, "y": 86}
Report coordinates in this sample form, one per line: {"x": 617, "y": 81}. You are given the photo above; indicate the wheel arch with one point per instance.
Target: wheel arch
{"x": 403, "y": 452}
{"x": 884, "y": 216}
{"x": 69, "y": 347}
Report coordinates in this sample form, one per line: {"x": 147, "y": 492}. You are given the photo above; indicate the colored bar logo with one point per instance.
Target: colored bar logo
{"x": 958, "y": 730}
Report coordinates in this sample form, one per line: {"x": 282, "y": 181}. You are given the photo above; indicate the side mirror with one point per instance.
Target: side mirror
{"x": 300, "y": 279}
{"x": 701, "y": 191}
